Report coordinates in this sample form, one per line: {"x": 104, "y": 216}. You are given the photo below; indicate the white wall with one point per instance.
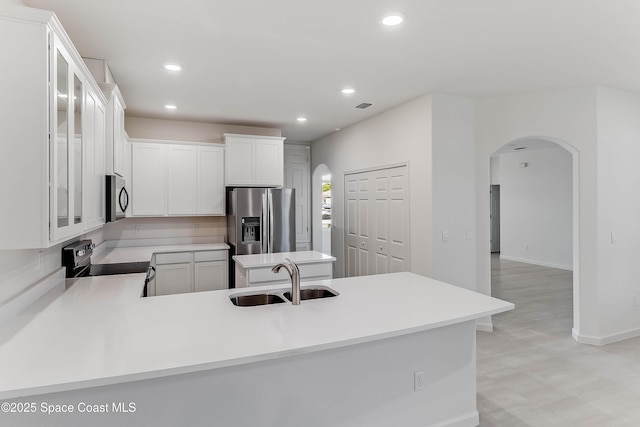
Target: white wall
{"x": 454, "y": 196}
{"x": 402, "y": 134}
{"x": 567, "y": 117}
{"x": 536, "y": 212}
{"x": 435, "y": 135}
{"x": 618, "y": 268}
{"x": 19, "y": 269}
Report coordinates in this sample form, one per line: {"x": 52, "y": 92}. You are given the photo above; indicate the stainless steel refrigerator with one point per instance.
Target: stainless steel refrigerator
{"x": 261, "y": 220}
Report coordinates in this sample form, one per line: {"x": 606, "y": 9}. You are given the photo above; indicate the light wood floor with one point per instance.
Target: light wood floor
{"x": 532, "y": 373}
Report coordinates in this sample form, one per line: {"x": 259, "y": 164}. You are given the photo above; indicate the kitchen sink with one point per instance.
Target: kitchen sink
{"x": 313, "y": 293}
{"x": 277, "y": 296}
{"x": 256, "y": 299}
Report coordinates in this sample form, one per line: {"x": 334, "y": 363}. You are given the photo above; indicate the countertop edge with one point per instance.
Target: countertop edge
{"x": 186, "y": 369}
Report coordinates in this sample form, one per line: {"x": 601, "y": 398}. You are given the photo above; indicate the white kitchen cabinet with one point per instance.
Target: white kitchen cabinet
{"x": 115, "y": 135}
{"x": 148, "y": 168}
{"x": 182, "y": 191}
{"x": 254, "y": 161}
{"x": 297, "y": 175}
{"x": 210, "y": 181}
{"x": 173, "y": 279}
{"x": 95, "y": 162}
{"x": 183, "y": 272}
{"x": 177, "y": 178}
{"x": 45, "y": 85}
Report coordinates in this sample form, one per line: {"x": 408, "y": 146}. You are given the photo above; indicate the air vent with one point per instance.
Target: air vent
{"x": 364, "y": 105}
{"x": 519, "y": 148}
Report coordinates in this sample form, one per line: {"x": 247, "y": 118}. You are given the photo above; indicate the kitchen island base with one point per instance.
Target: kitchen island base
{"x": 366, "y": 384}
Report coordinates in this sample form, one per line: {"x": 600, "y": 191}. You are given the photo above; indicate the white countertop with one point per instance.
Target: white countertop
{"x": 98, "y": 331}
{"x": 144, "y": 253}
{"x": 269, "y": 260}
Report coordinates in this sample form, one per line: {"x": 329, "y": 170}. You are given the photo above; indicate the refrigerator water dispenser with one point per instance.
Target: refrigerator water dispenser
{"x": 250, "y": 229}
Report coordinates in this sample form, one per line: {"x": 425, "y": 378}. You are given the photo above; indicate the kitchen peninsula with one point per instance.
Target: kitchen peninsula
{"x": 394, "y": 349}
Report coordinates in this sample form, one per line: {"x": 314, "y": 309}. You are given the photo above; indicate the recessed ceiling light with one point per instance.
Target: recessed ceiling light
{"x": 348, "y": 91}
{"x": 170, "y": 107}
{"x": 392, "y": 19}
{"x": 337, "y": 129}
{"x": 301, "y": 119}
{"x": 173, "y": 67}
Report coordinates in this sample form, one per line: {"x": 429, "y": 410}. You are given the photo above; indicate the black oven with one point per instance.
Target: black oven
{"x": 76, "y": 258}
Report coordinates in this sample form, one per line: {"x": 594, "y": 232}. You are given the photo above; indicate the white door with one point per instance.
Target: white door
{"x": 351, "y": 225}
{"x": 297, "y": 176}
{"x": 399, "y": 219}
{"x": 377, "y": 221}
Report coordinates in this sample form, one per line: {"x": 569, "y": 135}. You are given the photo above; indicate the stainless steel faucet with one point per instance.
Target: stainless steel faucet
{"x": 294, "y": 273}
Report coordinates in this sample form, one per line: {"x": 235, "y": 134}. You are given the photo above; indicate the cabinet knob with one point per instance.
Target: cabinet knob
{"x": 362, "y": 243}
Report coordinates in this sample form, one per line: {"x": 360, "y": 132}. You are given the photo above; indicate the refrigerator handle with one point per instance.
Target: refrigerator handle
{"x": 265, "y": 224}
{"x": 270, "y": 213}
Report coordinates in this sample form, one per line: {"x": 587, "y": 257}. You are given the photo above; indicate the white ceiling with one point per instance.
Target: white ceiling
{"x": 264, "y": 63}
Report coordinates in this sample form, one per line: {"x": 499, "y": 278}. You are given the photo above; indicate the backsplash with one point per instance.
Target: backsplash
{"x": 212, "y": 229}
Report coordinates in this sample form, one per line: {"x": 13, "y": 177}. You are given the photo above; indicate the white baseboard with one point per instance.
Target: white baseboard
{"x": 30, "y": 295}
{"x": 608, "y": 339}
{"x": 536, "y": 262}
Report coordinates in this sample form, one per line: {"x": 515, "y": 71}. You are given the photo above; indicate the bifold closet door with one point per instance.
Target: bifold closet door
{"x": 377, "y": 221}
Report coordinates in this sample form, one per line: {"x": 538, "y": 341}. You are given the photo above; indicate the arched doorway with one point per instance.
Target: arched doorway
{"x": 321, "y": 209}
{"x": 538, "y": 182}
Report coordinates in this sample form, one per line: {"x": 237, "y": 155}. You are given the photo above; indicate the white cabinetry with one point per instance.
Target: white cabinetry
{"x": 258, "y": 276}
{"x": 148, "y": 175}
{"x": 116, "y": 143}
{"x": 177, "y": 179}
{"x": 49, "y": 158}
{"x": 94, "y": 160}
{"x": 255, "y": 161}
{"x": 297, "y": 175}
{"x": 183, "y": 272}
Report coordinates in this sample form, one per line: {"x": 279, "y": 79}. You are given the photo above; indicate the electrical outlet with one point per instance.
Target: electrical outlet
{"x": 137, "y": 229}
{"x": 445, "y": 236}
{"x": 418, "y": 380}
{"x": 40, "y": 259}
{"x": 526, "y": 246}
{"x": 196, "y": 227}
{"x": 634, "y": 303}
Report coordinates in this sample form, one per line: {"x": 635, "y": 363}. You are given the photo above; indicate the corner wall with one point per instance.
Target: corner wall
{"x": 618, "y": 230}
{"x": 569, "y": 117}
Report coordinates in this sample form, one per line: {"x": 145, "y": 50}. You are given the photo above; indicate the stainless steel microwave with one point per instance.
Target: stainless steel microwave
{"x": 117, "y": 198}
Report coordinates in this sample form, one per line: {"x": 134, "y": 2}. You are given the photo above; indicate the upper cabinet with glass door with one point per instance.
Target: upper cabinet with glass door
{"x": 67, "y": 147}
{"x": 50, "y": 147}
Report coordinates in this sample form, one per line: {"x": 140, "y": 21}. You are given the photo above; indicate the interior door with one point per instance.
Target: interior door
{"x": 351, "y": 225}
{"x": 495, "y": 218}
{"x": 399, "y": 220}
{"x": 377, "y": 221}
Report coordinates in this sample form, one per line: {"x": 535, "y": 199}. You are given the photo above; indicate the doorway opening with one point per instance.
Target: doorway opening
{"x": 534, "y": 228}
{"x": 321, "y": 205}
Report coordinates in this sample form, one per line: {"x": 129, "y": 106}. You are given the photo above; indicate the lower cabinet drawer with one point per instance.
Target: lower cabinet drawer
{"x": 174, "y": 258}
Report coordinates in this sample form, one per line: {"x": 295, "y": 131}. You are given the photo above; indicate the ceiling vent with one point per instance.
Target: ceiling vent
{"x": 364, "y": 105}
